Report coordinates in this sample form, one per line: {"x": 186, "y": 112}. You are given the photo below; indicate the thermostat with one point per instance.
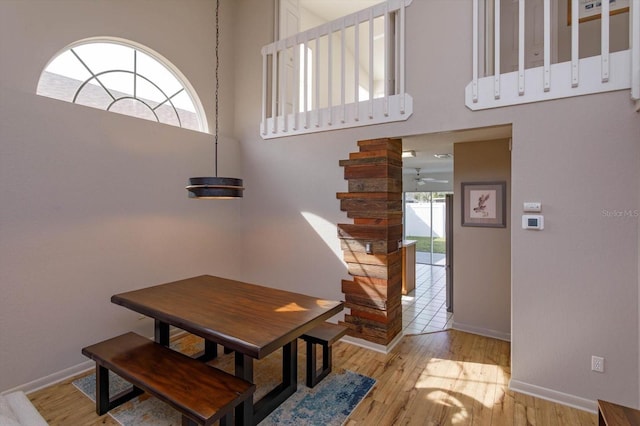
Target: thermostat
{"x": 533, "y": 221}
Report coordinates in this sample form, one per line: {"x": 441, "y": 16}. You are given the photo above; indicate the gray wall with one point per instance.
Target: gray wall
{"x": 93, "y": 203}
{"x": 62, "y": 254}
{"x": 482, "y": 265}
{"x": 573, "y": 295}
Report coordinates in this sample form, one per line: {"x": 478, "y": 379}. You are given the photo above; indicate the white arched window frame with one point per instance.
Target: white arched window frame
{"x": 126, "y": 77}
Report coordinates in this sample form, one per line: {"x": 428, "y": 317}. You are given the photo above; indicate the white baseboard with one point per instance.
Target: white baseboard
{"x": 61, "y": 375}
{"x": 487, "y": 332}
{"x": 385, "y": 349}
{"x": 85, "y": 366}
{"x": 554, "y": 396}
{"x": 54, "y": 378}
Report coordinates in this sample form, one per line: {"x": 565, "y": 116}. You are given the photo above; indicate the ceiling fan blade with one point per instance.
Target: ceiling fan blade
{"x": 428, "y": 179}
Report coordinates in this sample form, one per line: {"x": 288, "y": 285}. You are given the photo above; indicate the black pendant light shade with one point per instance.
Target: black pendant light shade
{"x": 215, "y": 187}
{"x": 221, "y": 188}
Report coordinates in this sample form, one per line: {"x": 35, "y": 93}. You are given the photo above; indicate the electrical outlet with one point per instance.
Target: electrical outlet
{"x": 597, "y": 364}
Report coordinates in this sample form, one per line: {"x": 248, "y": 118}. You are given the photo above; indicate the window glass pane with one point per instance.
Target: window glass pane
{"x": 101, "y": 57}
{"x": 166, "y": 114}
{"x": 66, "y": 64}
{"x": 120, "y": 78}
{"x": 158, "y": 73}
{"x": 119, "y": 83}
{"x": 189, "y": 120}
{"x": 57, "y": 86}
{"x": 94, "y": 96}
{"x": 134, "y": 108}
{"x": 148, "y": 92}
{"x": 183, "y": 101}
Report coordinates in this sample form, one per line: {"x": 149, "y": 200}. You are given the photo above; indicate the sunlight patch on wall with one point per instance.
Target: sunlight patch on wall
{"x": 327, "y": 231}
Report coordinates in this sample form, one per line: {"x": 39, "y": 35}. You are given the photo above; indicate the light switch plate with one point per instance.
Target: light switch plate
{"x": 533, "y": 207}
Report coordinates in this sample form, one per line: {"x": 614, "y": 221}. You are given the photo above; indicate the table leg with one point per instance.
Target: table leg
{"x": 290, "y": 366}
{"x": 161, "y": 333}
{"x": 284, "y": 390}
{"x": 210, "y": 351}
{"x": 244, "y": 370}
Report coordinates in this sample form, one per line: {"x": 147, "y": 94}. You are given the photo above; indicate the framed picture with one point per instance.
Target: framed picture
{"x": 592, "y": 9}
{"x": 484, "y": 204}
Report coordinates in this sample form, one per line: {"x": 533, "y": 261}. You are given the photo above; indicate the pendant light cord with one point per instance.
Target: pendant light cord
{"x": 217, "y": 83}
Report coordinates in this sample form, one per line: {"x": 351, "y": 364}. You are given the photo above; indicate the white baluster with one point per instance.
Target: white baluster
{"x": 496, "y": 50}
{"x": 575, "y": 39}
{"x": 356, "y": 71}
{"x": 474, "y": 81}
{"x": 604, "y": 37}
{"x": 546, "y": 72}
{"x": 521, "y": 47}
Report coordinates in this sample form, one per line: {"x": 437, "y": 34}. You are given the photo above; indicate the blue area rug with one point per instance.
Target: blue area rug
{"x": 329, "y": 403}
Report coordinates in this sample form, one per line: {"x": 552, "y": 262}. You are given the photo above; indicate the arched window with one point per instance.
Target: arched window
{"x": 124, "y": 77}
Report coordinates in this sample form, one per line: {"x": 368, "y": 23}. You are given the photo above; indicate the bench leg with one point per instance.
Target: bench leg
{"x": 311, "y": 364}
{"x": 313, "y": 375}
{"x": 186, "y": 421}
{"x": 224, "y": 421}
{"x": 326, "y": 359}
{"x": 104, "y": 402}
{"x": 102, "y": 390}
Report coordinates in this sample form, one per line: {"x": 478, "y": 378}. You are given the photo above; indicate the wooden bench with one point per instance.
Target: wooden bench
{"x": 203, "y": 394}
{"x": 325, "y": 335}
{"x": 610, "y": 414}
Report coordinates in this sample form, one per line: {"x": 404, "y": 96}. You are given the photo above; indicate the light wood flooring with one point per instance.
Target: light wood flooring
{"x": 443, "y": 378}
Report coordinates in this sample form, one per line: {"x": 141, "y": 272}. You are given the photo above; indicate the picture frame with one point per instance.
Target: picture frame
{"x": 589, "y": 10}
{"x": 484, "y": 204}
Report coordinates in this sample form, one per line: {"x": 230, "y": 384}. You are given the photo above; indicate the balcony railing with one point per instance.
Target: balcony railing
{"x": 323, "y": 78}
{"x": 605, "y": 72}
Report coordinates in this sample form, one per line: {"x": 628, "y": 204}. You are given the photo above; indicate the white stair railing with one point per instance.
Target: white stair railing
{"x": 634, "y": 43}
{"x": 605, "y": 72}
{"x": 308, "y": 87}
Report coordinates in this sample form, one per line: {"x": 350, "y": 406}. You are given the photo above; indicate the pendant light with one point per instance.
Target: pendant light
{"x": 215, "y": 187}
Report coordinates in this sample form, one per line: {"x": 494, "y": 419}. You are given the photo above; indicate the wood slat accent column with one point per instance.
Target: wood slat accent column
{"x": 374, "y": 202}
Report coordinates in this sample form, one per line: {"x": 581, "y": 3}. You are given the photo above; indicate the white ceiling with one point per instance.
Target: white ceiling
{"x": 333, "y": 9}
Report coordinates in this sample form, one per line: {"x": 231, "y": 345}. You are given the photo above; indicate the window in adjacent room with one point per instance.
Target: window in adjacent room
{"x": 123, "y": 77}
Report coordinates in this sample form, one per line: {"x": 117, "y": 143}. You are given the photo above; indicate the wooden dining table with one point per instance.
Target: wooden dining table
{"x": 251, "y": 320}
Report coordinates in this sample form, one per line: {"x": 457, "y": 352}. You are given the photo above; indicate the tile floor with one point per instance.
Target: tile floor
{"x": 424, "y": 310}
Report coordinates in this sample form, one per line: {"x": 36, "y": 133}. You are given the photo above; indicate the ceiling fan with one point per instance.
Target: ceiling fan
{"x": 422, "y": 180}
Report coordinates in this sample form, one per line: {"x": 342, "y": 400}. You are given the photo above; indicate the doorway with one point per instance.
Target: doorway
{"x": 426, "y": 223}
